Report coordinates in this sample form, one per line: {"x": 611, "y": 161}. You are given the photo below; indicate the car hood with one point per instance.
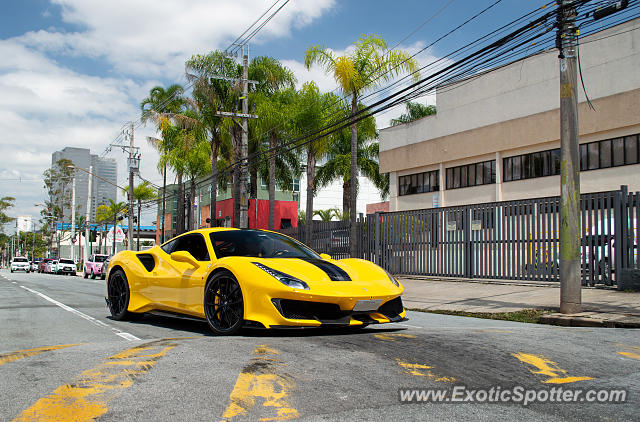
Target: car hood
{"x": 343, "y": 274}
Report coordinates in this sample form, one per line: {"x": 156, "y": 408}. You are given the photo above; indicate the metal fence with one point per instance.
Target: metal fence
{"x": 515, "y": 240}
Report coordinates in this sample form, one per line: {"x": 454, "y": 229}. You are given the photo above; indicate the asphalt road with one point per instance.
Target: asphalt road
{"x": 63, "y": 358}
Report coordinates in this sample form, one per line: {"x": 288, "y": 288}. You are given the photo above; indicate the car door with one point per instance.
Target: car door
{"x": 179, "y": 285}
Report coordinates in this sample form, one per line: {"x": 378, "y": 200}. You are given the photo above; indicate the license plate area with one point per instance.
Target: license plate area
{"x": 367, "y": 305}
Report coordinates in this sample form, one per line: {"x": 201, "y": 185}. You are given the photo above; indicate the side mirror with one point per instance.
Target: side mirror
{"x": 325, "y": 256}
{"x": 184, "y": 256}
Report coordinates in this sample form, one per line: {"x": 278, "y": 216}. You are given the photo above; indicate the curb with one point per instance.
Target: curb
{"x": 522, "y": 283}
{"x": 578, "y": 320}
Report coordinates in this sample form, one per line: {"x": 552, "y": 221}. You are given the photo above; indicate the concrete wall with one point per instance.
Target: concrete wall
{"x": 514, "y": 110}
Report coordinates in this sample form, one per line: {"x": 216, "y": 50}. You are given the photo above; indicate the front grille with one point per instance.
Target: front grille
{"x": 301, "y": 309}
{"x": 392, "y": 308}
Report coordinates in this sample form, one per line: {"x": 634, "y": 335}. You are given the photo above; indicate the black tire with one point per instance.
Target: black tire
{"x": 223, "y": 304}
{"x": 118, "y": 293}
{"x": 84, "y": 274}
{"x": 93, "y": 275}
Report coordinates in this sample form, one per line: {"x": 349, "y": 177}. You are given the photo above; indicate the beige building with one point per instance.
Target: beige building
{"x": 496, "y": 136}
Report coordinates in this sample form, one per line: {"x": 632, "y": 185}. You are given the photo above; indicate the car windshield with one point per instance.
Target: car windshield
{"x": 258, "y": 244}
{"x": 66, "y": 261}
{"x": 99, "y": 258}
{"x": 20, "y": 260}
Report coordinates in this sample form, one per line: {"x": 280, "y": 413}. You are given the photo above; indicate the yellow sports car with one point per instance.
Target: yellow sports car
{"x": 252, "y": 278}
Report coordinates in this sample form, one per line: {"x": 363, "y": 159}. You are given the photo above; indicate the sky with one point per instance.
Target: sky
{"x": 73, "y": 72}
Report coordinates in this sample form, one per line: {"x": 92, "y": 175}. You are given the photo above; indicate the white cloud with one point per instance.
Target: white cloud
{"x": 154, "y": 37}
{"x": 45, "y": 105}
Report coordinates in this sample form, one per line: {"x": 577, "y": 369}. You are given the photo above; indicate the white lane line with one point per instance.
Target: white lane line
{"x": 408, "y": 325}
{"x": 89, "y": 318}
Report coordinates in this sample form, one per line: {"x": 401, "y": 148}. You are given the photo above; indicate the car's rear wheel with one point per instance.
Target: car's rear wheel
{"x": 93, "y": 275}
{"x": 223, "y": 304}
{"x": 84, "y": 274}
{"x": 118, "y": 293}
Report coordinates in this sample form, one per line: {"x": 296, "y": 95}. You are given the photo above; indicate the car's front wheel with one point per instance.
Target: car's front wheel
{"x": 119, "y": 293}
{"x": 223, "y": 304}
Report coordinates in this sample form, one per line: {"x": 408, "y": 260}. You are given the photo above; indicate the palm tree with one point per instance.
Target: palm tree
{"x": 274, "y": 94}
{"x": 369, "y": 64}
{"x": 197, "y": 163}
{"x": 161, "y": 102}
{"x": 326, "y": 215}
{"x": 414, "y": 111}
{"x": 143, "y": 192}
{"x": 110, "y": 213}
{"x": 313, "y": 112}
{"x": 211, "y": 95}
{"x": 338, "y": 163}
{"x": 274, "y": 122}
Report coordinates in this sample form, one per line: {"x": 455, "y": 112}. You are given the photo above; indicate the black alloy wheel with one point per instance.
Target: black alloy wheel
{"x": 223, "y": 304}
{"x": 118, "y": 293}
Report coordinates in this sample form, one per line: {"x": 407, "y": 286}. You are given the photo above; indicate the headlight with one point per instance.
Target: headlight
{"x": 392, "y": 278}
{"x": 283, "y": 278}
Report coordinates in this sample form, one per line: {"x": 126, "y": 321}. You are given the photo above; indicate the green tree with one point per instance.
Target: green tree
{"x": 143, "y": 192}
{"x": 274, "y": 122}
{"x": 338, "y": 161}
{"x": 211, "y": 95}
{"x": 326, "y": 215}
{"x": 110, "y": 213}
{"x": 414, "y": 111}
{"x": 274, "y": 96}
{"x": 369, "y": 64}
{"x": 6, "y": 202}
{"x": 160, "y": 104}
{"x": 313, "y": 112}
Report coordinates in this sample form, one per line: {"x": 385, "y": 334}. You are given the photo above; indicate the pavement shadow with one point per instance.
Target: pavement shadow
{"x": 194, "y": 326}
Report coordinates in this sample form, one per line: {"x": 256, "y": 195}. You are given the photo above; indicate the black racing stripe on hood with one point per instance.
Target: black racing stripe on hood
{"x": 334, "y": 272}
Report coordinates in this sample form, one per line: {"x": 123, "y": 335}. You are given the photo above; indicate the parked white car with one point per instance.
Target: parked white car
{"x": 20, "y": 263}
{"x": 34, "y": 265}
{"x": 51, "y": 267}
{"x": 66, "y": 266}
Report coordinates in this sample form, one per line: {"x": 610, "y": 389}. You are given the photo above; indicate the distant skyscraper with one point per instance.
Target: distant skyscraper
{"x": 101, "y": 190}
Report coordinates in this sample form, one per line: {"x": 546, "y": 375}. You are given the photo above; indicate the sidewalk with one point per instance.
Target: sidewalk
{"x": 601, "y": 307}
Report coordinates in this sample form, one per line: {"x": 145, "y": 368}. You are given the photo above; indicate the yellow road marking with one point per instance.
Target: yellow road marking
{"x": 548, "y": 368}
{"x": 493, "y": 330}
{"x": 393, "y": 337}
{"x": 86, "y": 398}
{"x": 422, "y": 370}
{"x": 630, "y": 355}
{"x": 21, "y": 354}
{"x": 634, "y": 355}
{"x": 259, "y": 381}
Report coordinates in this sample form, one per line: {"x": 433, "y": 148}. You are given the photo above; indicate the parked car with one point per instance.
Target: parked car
{"x": 93, "y": 266}
{"x": 20, "y": 263}
{"x": 42, "y": 265}
{"x": 105, "y": 267}
{"x": 34, "y": 264}
{"x": 51, "y": 266}
{"x": 66, "y": 266}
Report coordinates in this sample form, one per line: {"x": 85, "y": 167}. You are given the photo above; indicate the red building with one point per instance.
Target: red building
{"x": 286, "y": 215}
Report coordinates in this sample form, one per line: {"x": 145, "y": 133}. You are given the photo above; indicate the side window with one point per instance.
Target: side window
{"x": 194, "y": 244}
{"x": 170, "y": 247}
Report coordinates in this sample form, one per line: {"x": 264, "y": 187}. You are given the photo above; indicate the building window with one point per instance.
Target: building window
{"x": 418, "y": 183}
{"x": 296, "y": 185}
{"x": 593, "y": 155}
{"x": 471, "y": 175}
{"x": 528, "y": 166}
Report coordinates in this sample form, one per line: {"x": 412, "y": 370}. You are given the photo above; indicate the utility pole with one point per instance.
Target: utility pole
{"x": 570, "y": 285}
{"x": 244, "y": 148}
{"x": 87, "y": 217}
{"x": 73, "y": 218}
{"x": 131, "y": 172}
{"x": 244, "y": 142}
